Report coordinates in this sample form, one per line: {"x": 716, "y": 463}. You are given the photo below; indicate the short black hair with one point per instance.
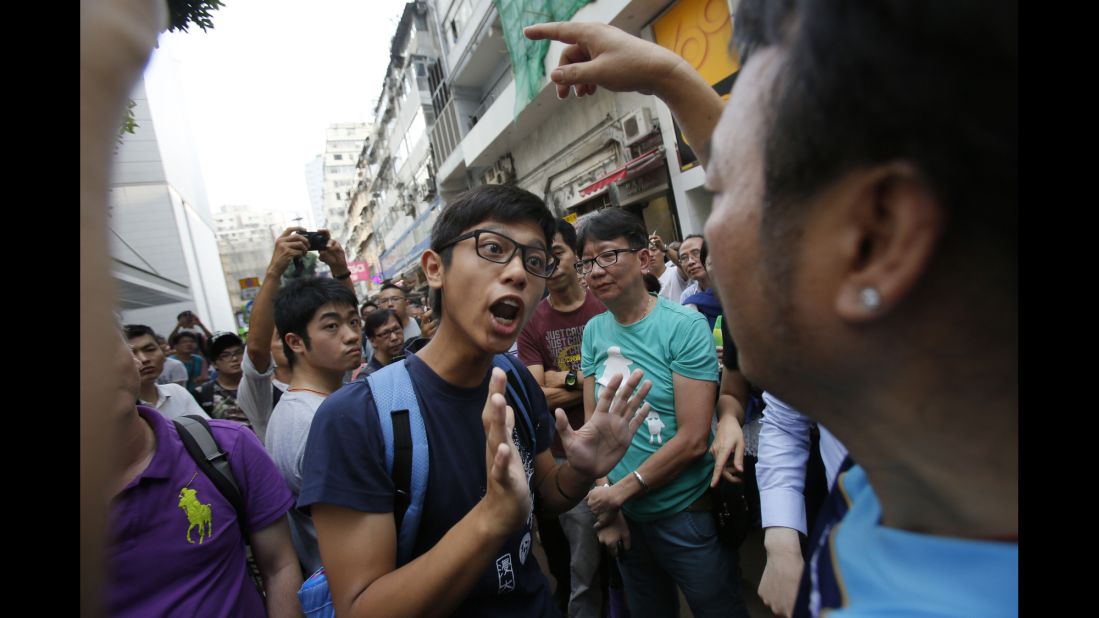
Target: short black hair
{"x": 927, "y": 83}
{"x": 568, "y": 234}
{"x": 609, "y": 224}
{"x": 375, "y": 320}
{"x": 221, "y": 342}
{"x": 503, "y": 203}
{"x": 652, "y": 283}
{"x": 180, "y": 335}
{"x": 389, "y": 285}
{"x": 183, "y": 313}
{"x": 133, "y": 331}
{"x": 702, "y": 252}
{"x": 368, "y": 303}
{"x": 298, "y": 301}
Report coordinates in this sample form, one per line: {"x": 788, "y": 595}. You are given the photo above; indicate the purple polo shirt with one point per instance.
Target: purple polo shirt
{"x": 175, "y": 545}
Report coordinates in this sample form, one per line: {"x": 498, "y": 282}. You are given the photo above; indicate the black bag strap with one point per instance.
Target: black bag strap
{"x": 402, "y": 464}
{"x": 203, "y": 448}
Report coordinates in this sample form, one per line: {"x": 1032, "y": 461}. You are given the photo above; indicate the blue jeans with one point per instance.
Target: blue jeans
{"x": 680, "y": 549}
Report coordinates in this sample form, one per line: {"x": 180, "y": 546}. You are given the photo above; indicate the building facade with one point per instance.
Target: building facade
{"x": 395, "y": 201}
{"x": 314, "y": 183}
{"x": 163, "y": 245}
{"x": 492, "y": 116}
{"x": 343, "y": 143}
{"x": 246, "y": 242}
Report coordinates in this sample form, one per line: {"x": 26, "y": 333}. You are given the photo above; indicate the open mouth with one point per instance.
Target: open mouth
{"x": 506, "y": 310}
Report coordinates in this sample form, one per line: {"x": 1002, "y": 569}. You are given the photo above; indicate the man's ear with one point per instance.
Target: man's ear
{"x": 889, "y": 230}
{"x": 645, "y": 256}
{"x": 432, "y": 265}
{"x": 296, "y": 343}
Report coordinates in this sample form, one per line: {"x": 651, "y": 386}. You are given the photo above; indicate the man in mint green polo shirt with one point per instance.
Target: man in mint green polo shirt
{"x": 655, "y": 514}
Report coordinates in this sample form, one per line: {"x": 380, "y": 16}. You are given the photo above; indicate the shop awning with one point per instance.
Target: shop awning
{"x": 633, "y": 168}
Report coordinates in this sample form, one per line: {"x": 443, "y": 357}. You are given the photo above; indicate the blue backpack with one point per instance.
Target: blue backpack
{"x": 406, "y": 460}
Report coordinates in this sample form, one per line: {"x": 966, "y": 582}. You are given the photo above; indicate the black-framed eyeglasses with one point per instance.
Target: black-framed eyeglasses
{"x": 495, "y": 247}
{"x": 236, "y": 354}
{"x": 385, "y": 334}
{"x": 605, "y": 259}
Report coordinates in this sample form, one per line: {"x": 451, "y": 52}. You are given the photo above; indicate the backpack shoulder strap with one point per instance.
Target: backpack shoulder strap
{"x": 406, "y": 449}
{"x": 203, "y": 448}
{"x": 517, "y": 394}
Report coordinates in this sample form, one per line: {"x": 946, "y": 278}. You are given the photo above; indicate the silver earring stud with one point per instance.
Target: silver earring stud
{"x": 870, "y": 298}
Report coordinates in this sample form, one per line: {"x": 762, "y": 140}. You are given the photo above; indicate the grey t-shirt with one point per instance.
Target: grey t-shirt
{"x": 287, "y": 432}
{"x": 254, "y": 395}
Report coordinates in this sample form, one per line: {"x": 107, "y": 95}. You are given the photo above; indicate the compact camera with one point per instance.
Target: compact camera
{"x": 318, "y": 241}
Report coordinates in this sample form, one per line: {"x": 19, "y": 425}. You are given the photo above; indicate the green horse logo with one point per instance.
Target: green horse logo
{"x": 198, "y": 514}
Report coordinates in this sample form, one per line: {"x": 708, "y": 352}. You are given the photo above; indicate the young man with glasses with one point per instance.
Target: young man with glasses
{"x": 393, "y": 298}
{"x": 487, "y": 264}
{"x": 386, "y": 337}
{"x": 218, "y": 397}
{"x": 549, "y": 346}
{"x": 655, "y": 513}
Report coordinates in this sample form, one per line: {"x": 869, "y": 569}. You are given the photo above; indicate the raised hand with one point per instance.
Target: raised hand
{"x": 597, "y": 446}
{"x": 507, "y": 496}
{"x": 657, "y": 244}
{"x": 289, "y": 245}
{"x": 602, "y": 55}
{"x": 333, "y": 255}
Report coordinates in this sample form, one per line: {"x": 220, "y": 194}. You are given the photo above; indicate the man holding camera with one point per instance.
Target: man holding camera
{"x": 257, "y": 394}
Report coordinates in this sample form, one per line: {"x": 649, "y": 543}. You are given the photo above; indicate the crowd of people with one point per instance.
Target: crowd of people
{"x": 587, "y": 387}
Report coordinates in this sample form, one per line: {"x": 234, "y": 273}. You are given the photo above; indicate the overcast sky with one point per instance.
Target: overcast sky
{"x": 262, "y": 85}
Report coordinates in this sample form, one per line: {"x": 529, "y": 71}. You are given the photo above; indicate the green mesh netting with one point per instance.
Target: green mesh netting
{"x": 527, "y": 57}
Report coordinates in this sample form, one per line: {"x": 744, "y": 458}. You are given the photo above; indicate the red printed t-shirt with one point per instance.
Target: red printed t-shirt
{"x": 552, "y": 339}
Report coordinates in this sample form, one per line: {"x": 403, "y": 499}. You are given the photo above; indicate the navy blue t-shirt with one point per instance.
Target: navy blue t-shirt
{"x": 344, "y": 465}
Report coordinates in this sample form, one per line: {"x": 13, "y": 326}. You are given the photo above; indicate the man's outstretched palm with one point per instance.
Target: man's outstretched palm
{"x": 597, "y": 446}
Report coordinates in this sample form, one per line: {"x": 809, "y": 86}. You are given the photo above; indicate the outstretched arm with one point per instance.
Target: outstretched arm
{"x": 602, "y": 55}
{"x": 289, "y": 245}
{"x": 594, "y": 449}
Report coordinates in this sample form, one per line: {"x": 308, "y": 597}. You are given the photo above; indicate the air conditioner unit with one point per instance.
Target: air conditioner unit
{"x": 637, "y": 125}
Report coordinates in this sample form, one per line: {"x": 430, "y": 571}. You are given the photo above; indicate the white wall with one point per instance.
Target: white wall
{"x": 161, "y": 220}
